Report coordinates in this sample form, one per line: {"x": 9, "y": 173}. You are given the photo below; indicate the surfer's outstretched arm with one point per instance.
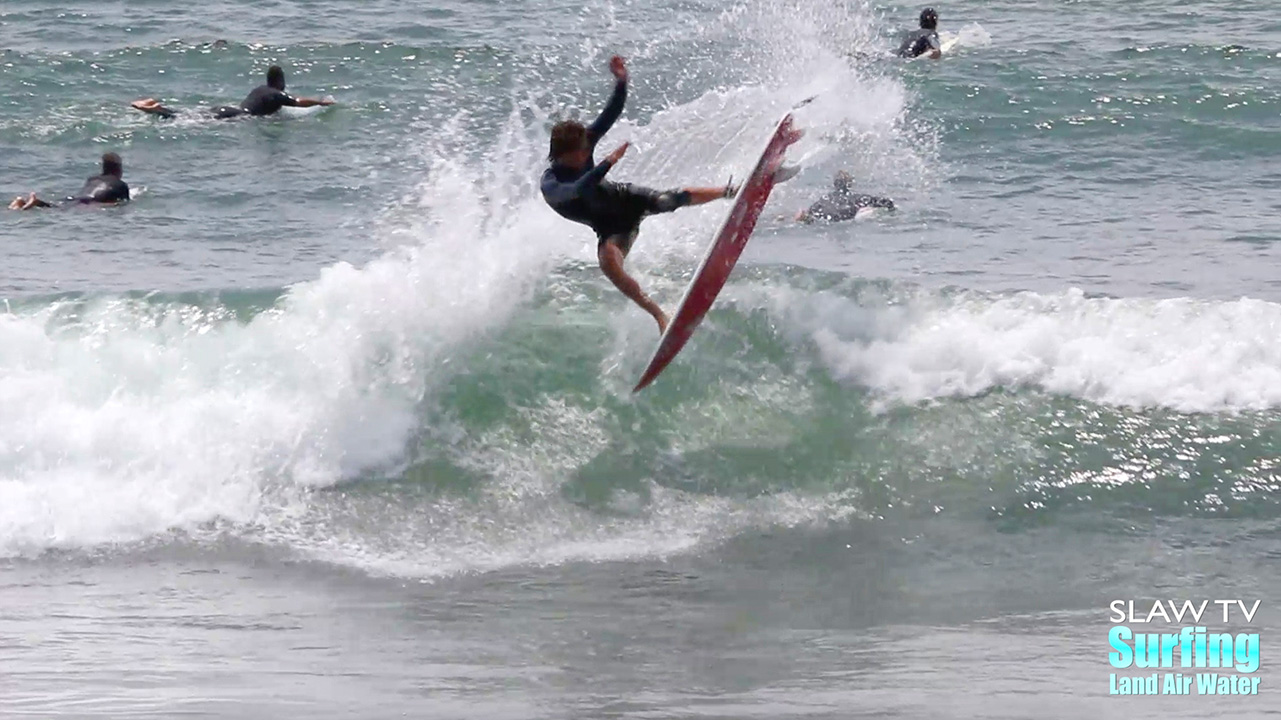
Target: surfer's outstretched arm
{"x": 304, "y": 102}
{"x": 614, "y": 108}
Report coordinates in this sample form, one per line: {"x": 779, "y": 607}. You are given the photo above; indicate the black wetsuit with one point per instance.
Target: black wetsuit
{"x": 919, "y": 42}
{"x": 262, "y": 100}
{"x": 612, "y": 210}
{"x": 842, "y": 203}
{"x": 102, "y": 189}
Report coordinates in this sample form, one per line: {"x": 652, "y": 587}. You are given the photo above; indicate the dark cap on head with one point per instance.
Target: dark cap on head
{"x": 929, "y": 19}
{"x": 276, "y": 77}
{"x": 567, "y": 136}
{"x": 112, "y": 165}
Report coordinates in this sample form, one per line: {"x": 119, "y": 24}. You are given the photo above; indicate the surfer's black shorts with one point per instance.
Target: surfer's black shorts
{"x": 630, "y": 204}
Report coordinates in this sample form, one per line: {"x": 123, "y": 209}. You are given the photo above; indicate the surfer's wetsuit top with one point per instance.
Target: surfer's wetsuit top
{"x": 262, "y": 100}
{"x": 102, "y": 189}
{"x": 612, "y": 210}
{"x": 842, "y": 203}
{"x": 919, "y": 42}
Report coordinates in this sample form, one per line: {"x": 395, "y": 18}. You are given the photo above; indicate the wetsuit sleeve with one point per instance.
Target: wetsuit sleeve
{"x": 286, "y": 99}
{"x": 557, "y": 192}
{"x": 613, "y": 110}
{"x": 933, "y": 40}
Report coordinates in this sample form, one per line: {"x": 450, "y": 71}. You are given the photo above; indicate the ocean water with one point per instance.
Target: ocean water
{"x": 334, "y": 420}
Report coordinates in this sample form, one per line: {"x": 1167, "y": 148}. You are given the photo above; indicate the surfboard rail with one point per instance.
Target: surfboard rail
{"x": 723, "y": 252}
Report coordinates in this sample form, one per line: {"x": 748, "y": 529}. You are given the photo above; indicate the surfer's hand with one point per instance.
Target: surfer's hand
{"x": 618, "y": 153}
{"x": 619, "y": 67}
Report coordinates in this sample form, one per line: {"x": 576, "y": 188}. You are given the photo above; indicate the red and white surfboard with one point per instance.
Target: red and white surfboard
{"x": 723, "y": 252}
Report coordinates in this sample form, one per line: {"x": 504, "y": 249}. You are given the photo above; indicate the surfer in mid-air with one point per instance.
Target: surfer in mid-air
{"x": 109, "y": 188}
{"x": 925, "y": 40}
{"x": 842, "y": 203}
{"x": 263, "y": 100}
{"x": 575, "y": 187}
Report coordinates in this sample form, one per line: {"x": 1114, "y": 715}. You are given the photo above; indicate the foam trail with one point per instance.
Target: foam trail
{"x": 1182, "y": 354}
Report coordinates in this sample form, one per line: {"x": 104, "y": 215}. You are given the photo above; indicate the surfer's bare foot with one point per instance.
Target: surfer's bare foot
{"x": 146, "y": 104}
{"x": 21, "y": 203}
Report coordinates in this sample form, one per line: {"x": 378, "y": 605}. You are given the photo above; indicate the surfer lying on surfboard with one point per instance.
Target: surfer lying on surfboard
{"x": 109, "y": 188}
{"x": 262, "y": 100}
{"x": 842, "y": 203}
{"x": 575, "y": 187}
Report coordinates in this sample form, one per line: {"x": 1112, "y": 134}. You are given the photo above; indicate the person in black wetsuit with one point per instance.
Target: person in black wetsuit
{"x": 575, "y": 187}
{"x": 263, "y": 100}
{"x": 109, "y": 188}
{"x": 842, "y": 203}
{"x": 925, "y": 40}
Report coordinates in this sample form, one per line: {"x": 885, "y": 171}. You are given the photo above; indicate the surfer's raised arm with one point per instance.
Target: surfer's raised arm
{"x": 614, "y": 108}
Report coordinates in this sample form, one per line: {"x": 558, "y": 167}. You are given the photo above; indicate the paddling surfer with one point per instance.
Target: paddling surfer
{"x": 842, "y": 202}
{"x": 109, "y": 188}
{"x": 262, "y": 100}
{"x": 574, "y": 186}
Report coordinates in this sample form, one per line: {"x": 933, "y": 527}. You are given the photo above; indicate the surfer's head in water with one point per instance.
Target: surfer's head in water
{"x": 276, "y": 77}
{"x": 929, "y": 19}
{"x": 570, "y": 146}
{"x": 112, "y": 165}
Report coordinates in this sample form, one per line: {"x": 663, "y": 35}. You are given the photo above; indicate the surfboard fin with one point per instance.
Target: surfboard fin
{"x": 786, "y": 172}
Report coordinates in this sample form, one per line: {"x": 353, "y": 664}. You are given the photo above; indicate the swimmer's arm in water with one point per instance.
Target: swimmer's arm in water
{"x": 614, "y": 108}
{"x": 936, "y": 48}
{"x": 303, "y": 102}
{"x": 557, "y": 192}
{"x": 151, "y": 106}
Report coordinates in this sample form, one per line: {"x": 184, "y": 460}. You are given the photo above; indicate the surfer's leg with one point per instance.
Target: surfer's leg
{"x": 151, "y": 106}
{"x": 26, "y": 203}
{"x": 654, "y": 202}
{"x": 227, "y": 112}
{"x": 610, "y": 253}
{"x": 701, "y": 195}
